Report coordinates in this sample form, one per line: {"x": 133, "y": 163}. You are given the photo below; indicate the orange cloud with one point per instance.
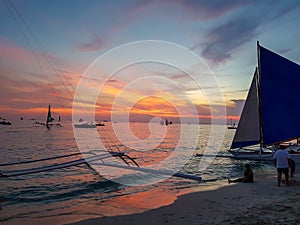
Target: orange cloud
{"x": 15, "y": 53}
{"x": 27, "y": 89}
{"x": 154, "y": 106}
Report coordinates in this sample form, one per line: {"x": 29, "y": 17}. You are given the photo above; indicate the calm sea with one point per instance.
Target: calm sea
{"x": 71, "y": 194}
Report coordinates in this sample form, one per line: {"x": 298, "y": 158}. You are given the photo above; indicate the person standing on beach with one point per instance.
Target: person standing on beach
{"x": 248, "y": 176}
{"x": 281, "y": 157}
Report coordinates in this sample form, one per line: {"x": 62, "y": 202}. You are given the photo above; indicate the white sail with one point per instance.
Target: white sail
{"x": 247, "y": 132}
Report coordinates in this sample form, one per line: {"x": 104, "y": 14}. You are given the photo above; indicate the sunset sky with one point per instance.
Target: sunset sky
{"x": 72, "y": 34}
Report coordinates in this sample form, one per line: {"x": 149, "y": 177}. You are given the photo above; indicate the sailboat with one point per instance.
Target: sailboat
{"x": 58, "y": 124}
{"x": 167, "y": 122}
{"x": 232, "y": 126}
{"x": 49, "y": 118}
{"x": 274, "y": 94}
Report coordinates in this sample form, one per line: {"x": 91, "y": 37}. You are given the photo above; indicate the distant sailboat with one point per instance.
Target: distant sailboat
{"x": 165, "y": 122}
{"x": 58, "y": 124}
{"x": 162, "y": 122}
{"x": 49, "y": 118}
{"x": 232, "y": 126}
{"x": 274, "y": 94}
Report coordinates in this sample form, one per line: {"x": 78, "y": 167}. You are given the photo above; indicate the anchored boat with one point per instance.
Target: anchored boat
{"x": 274, "y": 94}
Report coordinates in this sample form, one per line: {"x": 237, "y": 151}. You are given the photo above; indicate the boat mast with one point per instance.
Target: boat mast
{"x": 259, "y": 99}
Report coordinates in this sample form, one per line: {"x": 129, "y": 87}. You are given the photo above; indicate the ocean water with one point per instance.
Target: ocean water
{"x": 70, "y": 194}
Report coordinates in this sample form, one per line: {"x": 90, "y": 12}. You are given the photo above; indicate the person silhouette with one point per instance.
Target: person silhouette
{"x": 281, "y": 157}
{"x": 248, "y": 176}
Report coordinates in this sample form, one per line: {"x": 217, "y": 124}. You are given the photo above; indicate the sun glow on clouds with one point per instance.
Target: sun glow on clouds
{"x": 141, "y": 90}
{"x": 154, "y": 107}
{"x": 118, "y": 98}
{"x": 138, "y": 107}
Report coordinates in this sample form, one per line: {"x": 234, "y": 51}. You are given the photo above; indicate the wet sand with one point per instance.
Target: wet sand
{"x": 260, "y": 202}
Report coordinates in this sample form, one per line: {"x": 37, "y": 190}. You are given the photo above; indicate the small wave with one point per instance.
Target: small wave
{"x": 15, "y": 131}
{"x": 56, "y": 193}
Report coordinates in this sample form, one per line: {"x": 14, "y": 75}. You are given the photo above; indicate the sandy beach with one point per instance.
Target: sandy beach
{"x": 261, "y": 202}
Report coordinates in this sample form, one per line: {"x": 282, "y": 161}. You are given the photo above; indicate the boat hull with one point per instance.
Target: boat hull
{"x": 231, "y": 127}
{"x": 84, "y": 125}
{"x": 252, "y": 155}
{"x": 263, "y": 156}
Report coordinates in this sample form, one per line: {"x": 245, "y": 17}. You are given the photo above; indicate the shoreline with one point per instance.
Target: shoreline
{"x": 239, "y": 203}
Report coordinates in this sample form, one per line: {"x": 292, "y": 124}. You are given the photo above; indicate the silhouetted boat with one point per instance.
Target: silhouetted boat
{"x": 85, "y": 125}
{"x": 5, "y": 122}
{"x": 49, "y": 118}
{"x": 49, "y": 121}
{"x": 232, "y": 126}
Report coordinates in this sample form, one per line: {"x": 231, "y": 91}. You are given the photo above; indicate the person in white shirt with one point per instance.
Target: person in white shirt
{"x": 281, "y": 157}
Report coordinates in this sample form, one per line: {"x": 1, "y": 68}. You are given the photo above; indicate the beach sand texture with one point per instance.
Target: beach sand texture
{"x": 261, "y": 202}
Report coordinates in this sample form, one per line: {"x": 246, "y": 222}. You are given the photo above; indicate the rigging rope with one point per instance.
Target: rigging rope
{"x": 36, "y": 44}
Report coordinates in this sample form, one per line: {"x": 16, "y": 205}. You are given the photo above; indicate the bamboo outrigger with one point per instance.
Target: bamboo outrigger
{"x": 89, "y": 158}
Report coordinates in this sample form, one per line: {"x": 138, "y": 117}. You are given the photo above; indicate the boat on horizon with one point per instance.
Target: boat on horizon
{"x": 85, "y": 125}
{"x": 4, "y": 122}
{"x": 49, "y": 120}
{"x": 100, "y": 124}
{"x": 266, "y": 105}
{"x": 232, "y": 126}
{"x": 165, "y": 122}
{"x": 49, "y": 117}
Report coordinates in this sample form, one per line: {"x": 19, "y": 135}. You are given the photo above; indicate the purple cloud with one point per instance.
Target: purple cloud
{"x": 223, "y": 39}
{"x": 96, "y": 43}
{"x": 195, "y": 9}
{"x": 203, "y": 9}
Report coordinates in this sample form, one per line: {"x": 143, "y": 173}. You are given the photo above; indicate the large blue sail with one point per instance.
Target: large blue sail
{"x": 280, "y": 97}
